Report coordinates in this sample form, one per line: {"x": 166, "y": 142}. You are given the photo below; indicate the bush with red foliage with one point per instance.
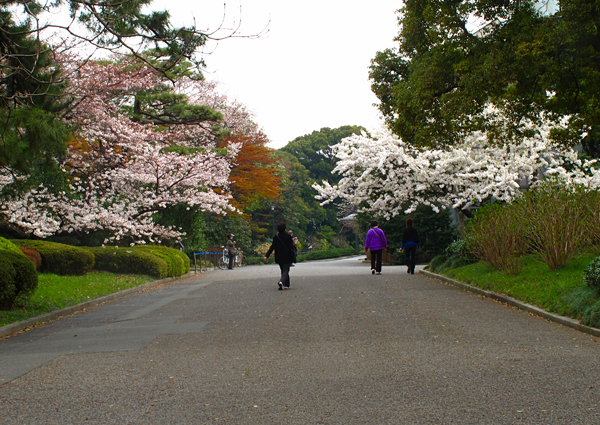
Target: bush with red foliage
{"x": 33, "y": 255}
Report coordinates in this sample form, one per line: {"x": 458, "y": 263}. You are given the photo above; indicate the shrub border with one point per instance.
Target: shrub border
{"x": 53, "y": 315}
{"x": 563, "y": 320}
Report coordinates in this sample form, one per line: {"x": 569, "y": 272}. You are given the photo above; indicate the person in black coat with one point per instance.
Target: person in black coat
{"x": 283, "y": 245}
{"x": 410, "y": 244}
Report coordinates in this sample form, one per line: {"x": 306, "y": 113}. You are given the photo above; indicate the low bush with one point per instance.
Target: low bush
{"x": 583, "y": 304}
{"x": 592, "y": 200}
{"x": 591, "y": 316}
{"x": 551, "y": 219}
{"x": 309, "y": 256}
{"x": 18, "y": 278}
{"x": 252, "y": 261}
{"x": 261, "y": 250}
{"x": 557, "y": 221}
{"x": 205, "y": 265}
{"x": 461, "y": 249}
{"x": 457, "y": 254}
{"x": 6, "y": 245}
{"x": 458, "y": 262}
{"x": 591, "y": 275}
{"x": 438, "y": 263}
{"x": 58, "y": 258}
{"x": 496, "y": 236}
{"x": 178, "y": 262}
{"x": 34, "y": 256}
{"x": 129, "y": 261}
{"x": 399, "y": 258}
{"x": 330, "y": 253}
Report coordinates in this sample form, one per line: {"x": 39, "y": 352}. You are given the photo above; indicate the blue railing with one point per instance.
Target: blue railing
{"x": 207, "y": 257}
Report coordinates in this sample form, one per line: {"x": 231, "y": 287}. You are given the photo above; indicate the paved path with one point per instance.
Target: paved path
{"x": 340, "y": 347}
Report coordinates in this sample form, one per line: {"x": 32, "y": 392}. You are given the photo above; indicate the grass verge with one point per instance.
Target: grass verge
{"x": 56, "y": 292}
{"x": 559, "y": 291}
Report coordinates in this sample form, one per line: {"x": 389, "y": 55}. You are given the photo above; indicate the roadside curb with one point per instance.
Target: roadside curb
{"x": 563, "y": 320}
{"x": 53, "y": 315}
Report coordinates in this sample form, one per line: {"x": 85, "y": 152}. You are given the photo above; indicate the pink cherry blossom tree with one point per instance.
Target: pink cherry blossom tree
{"x": 143, "y": 145}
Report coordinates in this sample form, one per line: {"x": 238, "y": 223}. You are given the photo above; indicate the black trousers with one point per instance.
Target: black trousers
{"x": 285, "y": 275}
{"x": 231, "y": 260}
{"x": 410, "y": 251}
{"x": 376, "y": 259}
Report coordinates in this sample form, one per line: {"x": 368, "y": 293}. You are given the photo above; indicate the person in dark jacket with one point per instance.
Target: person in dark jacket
{"x": 410, "y": 244}
{"x": 376, "y": 243}
{"x": 231, "y": 251}
{"x": 283, "y": 245}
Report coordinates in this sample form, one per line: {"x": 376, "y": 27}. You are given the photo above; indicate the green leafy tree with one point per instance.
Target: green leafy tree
{"x": 216, "y": 229}
{"x": 314, "y": 150}
{"x": 31, "y": 89}
{"x": 297, "y": 205}
{"x": 291, "y": 206}
{"x": 454, "y": 56}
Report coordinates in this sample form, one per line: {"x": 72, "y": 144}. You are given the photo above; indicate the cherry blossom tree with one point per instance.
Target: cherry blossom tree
{"x": 32, "y": 85}
{"x": 143, "y": 146}
{"x": 382, "y": 174}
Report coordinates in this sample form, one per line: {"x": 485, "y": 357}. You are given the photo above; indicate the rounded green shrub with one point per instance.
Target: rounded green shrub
{"x": 459, "y": 262}
{"x": 591, "y": 275}
{"x": 460, "y": 249}
{"x": 591, "y": 316}
{"x": 178, "y": 262}
{"x": 7, "y": 245}
{"x": 59, "y": 258}
{"x": 438, "y": 263}
{"x": 18, "y": 278}
{"x": 129, "y": 261}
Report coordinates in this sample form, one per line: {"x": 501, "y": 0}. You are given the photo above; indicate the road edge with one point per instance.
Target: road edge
{"x": 563, "y": 320}
{"x": 53, "y": 315}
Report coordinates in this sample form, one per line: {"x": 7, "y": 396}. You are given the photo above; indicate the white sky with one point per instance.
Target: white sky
{"x": 309, "y": 71}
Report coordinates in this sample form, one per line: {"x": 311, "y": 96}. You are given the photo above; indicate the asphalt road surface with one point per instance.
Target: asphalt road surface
{"x": 341, "y": 346}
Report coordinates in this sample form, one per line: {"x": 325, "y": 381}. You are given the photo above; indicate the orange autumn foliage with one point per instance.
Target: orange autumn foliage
{"x": 253, "y": 175}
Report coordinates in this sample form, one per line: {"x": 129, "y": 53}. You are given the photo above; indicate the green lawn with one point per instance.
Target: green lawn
{"x": 55, "y": 292}
{"x": 559, "y": 291}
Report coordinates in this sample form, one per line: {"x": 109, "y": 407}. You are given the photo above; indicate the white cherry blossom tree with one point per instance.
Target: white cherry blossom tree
{"x": 383, "y": 174}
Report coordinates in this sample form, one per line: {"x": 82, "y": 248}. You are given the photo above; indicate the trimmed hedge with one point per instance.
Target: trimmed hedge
{"x": 129, "y": 261}
{"x": 314, "y": 255}
{"x": 7, "y": 245}
{"x": 253, "y": 261}
{"x": 156, "y": 261}
{"x": 329, "y": 253}
{"x": 60, "y": 259}
{"x": 18, "y": 278}
{"x": 179, "y": 262}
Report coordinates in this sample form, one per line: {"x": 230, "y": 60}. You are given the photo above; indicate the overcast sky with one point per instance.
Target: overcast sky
{"x": 310, "y": 70}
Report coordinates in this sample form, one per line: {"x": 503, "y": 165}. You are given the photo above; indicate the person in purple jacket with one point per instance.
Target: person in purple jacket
{"x": 376, "y": 243}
